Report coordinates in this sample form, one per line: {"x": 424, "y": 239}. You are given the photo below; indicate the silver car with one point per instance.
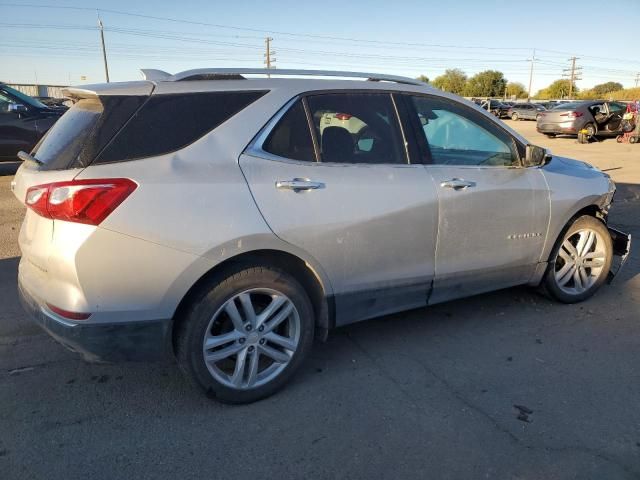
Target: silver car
{"x": 596, "y": 117}
{"x": 210, "y": 215}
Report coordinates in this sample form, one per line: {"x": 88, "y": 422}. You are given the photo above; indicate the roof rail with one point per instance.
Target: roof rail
{"x": 226, "y": 73}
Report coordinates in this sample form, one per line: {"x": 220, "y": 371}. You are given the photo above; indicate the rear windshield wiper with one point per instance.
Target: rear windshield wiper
{"x": 27, "y": 156}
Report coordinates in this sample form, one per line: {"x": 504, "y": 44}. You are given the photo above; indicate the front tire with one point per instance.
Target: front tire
{"x": 246, "y": 334}
{"x": 591, "y": 130}
{"x": 580, "y": 261}
{"x": 514, "y": 117}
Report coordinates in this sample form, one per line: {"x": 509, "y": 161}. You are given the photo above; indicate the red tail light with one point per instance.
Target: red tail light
{"x": 68, "y": 314}
{"x": 80, "y": 201}
{"x": 343, "y": 116}
{"x": 571, "y": 114}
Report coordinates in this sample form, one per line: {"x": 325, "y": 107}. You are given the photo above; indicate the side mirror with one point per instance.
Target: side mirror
{"x": 17, "y": 108}
{"x": 536, "y": 156}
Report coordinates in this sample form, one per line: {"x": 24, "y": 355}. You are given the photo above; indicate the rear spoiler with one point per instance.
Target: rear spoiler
{"x": 140, "y": 88}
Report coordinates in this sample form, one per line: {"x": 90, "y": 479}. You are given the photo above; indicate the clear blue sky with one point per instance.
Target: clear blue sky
{"x": 59, "y": 46}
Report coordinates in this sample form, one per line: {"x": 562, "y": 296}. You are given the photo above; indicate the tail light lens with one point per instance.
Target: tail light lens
{"x": 67, "y": 313}
{"x": 80, "y": 201}
{"x": 571, "y": 114}
{"x": 343, "y": 116}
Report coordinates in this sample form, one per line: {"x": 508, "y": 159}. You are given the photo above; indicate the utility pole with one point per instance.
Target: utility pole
{"x": 637, "y": 79}
{"x": 104, "y": 50}
{"x": 269, "y": 60}
{"x": 574, "y": 75}
{"x": 533, "y": 59}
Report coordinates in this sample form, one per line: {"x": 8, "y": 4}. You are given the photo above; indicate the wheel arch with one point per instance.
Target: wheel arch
{"x": 317, "y": 288}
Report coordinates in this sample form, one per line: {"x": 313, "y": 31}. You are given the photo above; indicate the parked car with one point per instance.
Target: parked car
{"x": 495, "y": 107}
{"x": 23, "y": 121}
{"x": 598, "y": 118}
{"x": 525, "y": 111}
{"x": 220, "y": 223}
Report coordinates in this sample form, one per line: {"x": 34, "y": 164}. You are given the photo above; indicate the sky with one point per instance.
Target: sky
{"x": 57, "y": 41}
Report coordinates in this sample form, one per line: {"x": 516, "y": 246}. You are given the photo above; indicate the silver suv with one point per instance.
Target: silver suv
{"x": 227, "y": 220}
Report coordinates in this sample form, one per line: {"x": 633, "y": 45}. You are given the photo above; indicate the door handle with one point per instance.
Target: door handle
{"x": 457, "y": 184}
{"x": 298, "y": 184}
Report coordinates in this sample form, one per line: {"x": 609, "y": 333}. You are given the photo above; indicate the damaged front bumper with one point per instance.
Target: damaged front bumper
{"x": 621, "y": 247}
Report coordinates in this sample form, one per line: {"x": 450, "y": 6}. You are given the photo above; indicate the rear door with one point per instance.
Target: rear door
{"x": 331, "y": 176}
{"x": 493, "y": 214}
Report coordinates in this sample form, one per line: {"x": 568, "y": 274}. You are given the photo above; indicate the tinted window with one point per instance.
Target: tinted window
{"x": 167, "y": 123}
{"x": 61, "y": 146}
{"x": 459, "y": 136}
{"x": 615, "y": 107}
{"x": 291, "y": 137}
{"x": 24, "y": 98}
{"x": 357, "y": 128}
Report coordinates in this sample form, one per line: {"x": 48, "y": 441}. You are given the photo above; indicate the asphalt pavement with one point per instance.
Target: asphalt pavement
{"x": 507, "y": 385}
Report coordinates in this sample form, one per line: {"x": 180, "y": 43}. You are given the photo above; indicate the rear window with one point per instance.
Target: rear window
{"x": 63, "y": 143}
{"x": 167, "y": 123}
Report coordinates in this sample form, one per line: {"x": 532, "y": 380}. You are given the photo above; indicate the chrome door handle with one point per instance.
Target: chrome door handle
{"x": 298, "y": 184}
{"x": 457, "y": 184}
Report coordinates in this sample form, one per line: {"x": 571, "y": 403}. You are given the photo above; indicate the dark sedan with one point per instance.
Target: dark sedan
{"x": 23, "y": 121}
{"x": 525, "y": 111}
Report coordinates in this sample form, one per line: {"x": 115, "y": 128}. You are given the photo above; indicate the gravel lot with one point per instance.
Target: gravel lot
{"x": 428, "y": 394}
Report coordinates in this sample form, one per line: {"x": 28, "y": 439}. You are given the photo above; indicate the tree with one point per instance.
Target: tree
{"x": 453, "y": 80}
{"x": 604, "y": 88}
{"x": 423, "y": 78}
{"x": 558, "y": 89}
{"x": 516, "y": 89}
{"x": 489, "y": 83}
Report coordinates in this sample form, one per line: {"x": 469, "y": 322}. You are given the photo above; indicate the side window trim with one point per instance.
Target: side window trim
{"x": 418, "y": 147}
{"x": 518, "y": 147}
{"x": 312, "y": 130}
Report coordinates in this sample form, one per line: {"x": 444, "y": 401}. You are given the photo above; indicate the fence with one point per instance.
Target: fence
{"x": 53, "y": 91}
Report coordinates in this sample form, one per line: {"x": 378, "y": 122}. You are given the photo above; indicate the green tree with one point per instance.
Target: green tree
{"x": 608, "y": 87}
{"x": 517, "y": 89}
{"x": 453, "y": 80}
{"x": 489, "y": 83}
{"x": 423, "y": 78}
{"x": 558, "y": 89}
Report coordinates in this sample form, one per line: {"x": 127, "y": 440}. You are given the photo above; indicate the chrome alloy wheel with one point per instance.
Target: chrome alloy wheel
{"x": 580, "y": 261}
{"x": 251, "y": 338}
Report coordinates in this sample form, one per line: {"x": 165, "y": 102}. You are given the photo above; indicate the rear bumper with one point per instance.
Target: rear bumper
{"x": 126, "y": 341}
{"x": 557, "y": 128}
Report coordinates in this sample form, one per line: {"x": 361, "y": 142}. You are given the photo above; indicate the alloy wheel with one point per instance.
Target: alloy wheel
{"x": 580, "y": 261}
{"x": 251, "y": 339}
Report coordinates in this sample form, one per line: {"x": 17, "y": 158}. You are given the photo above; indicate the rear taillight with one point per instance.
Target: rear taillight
{"x": 343, "y": 116}
{"x": 67, "y": 313}
{"x": 571, "y": 114}
{"x": 80, "y": 201}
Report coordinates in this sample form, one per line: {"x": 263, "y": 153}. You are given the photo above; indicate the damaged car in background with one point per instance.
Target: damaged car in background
{"x": 226, "y": 219}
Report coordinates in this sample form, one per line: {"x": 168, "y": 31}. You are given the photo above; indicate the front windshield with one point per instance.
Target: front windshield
{"x": 23, "y": 97}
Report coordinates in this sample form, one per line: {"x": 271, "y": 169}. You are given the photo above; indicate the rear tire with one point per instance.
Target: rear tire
{"x": 591, "y": 130}
{"x": 245, "y": 334}
{"x": 580, "y": 261}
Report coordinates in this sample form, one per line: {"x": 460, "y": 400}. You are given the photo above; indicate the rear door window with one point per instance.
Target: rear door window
{"x": 357, "y": 128}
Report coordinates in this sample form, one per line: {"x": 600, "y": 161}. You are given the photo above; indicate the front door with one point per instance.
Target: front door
{"x": 493, "y": 214}
{"x": 344, "y": 192}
